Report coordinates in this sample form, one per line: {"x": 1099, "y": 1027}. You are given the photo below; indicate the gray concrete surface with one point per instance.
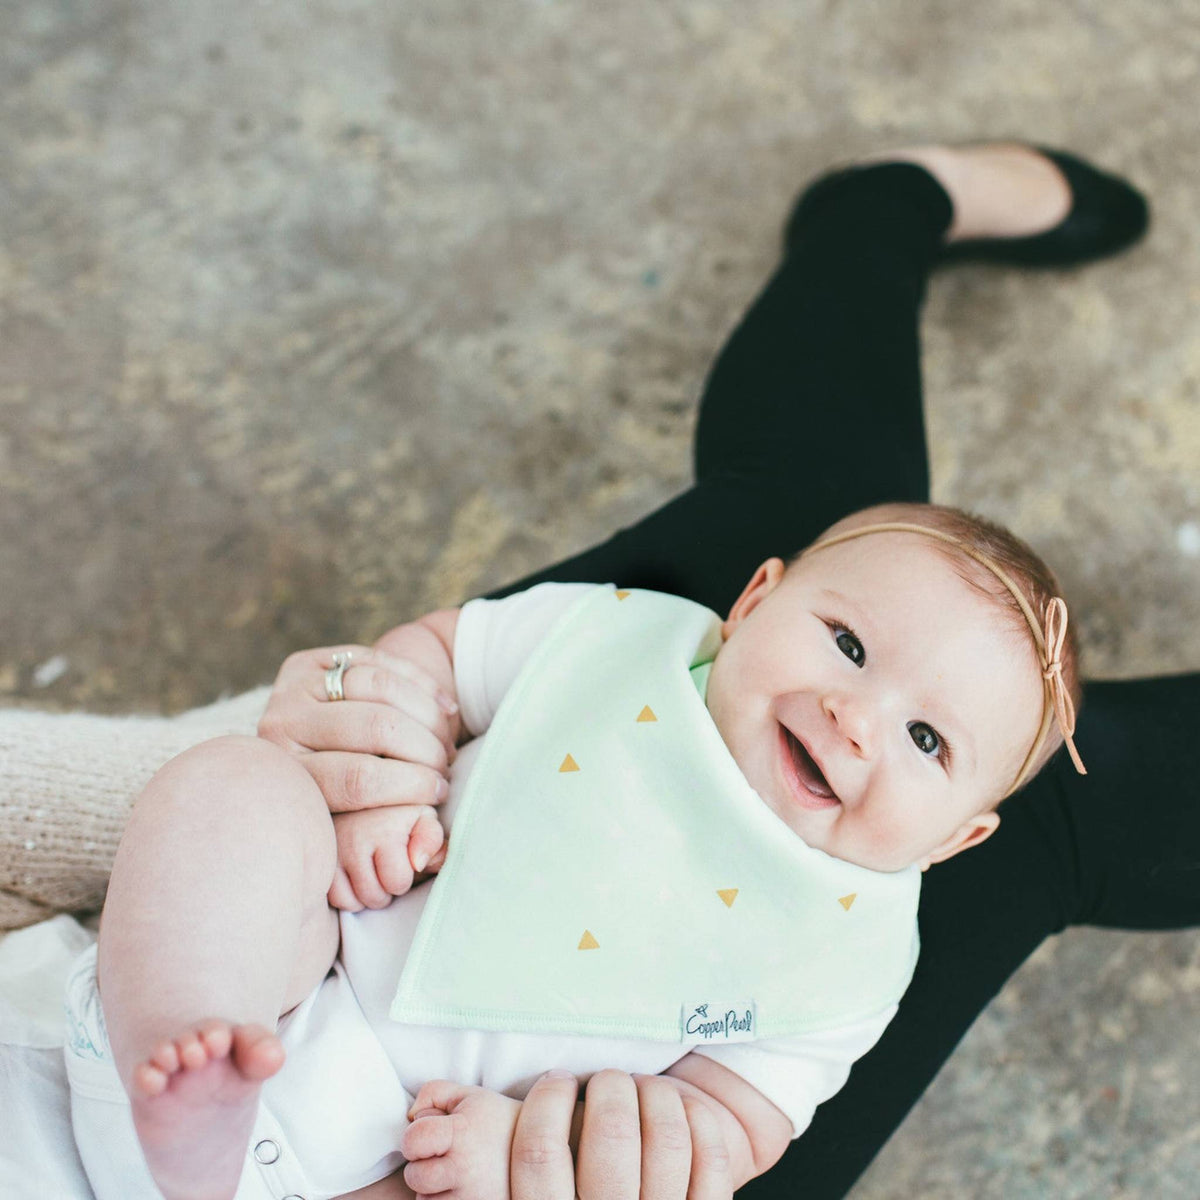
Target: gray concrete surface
{"x": 315, "y": 316}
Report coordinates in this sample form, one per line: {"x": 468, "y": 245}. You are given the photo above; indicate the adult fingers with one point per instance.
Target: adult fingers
{"x": 540, "y": 1165}
{"x": 609, "y": 1162}
{"x": 300, "y": 722}
{"x": 712, "y": 1170}
{"x": 391, "y": 684}
{"x": 666, "y": 1139}
{"x": 298, "y": 711}
{"x": 306, "y": 668}
{"x": 356, "y": 726}
{"x": 350, "y": 782}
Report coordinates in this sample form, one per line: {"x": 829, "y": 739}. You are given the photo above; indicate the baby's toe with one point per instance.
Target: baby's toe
{"x": 193, "y": 1054}
{"x": 217, "y": 1037}
{"x": 427, "y": 1137}
{"x": 149, "y": 1080}
{"x": 257, "y": 1052}
{"x": 165, "y": 1057}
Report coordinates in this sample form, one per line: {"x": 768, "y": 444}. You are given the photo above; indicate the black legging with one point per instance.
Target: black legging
{"x": 812, "y": 410}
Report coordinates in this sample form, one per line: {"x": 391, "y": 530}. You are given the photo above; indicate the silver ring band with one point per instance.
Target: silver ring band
{"x": 333, "y": 677}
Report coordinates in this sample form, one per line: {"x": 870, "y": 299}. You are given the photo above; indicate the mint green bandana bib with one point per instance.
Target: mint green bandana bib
{"x": 611, "y": 872}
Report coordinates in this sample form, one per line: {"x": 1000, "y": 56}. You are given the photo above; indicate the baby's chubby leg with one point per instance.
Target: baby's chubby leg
{"x": 216, "y": 923}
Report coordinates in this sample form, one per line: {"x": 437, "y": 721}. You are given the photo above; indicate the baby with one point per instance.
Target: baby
{"x": 879, "y": 695}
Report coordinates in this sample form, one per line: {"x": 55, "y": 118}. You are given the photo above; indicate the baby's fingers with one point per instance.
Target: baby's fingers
{"x": 426, "y": 841}
{"x": 366, "y": 884}
{"x": 443, "y": 1094}
{"x": 360, "y": 837}
{"x": 341, "y": 893}
{"x": 430, "y": 1135}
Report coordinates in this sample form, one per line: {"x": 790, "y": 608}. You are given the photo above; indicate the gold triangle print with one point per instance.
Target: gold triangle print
{"x": 568, "y": 764}
{"x": 846, "y": 901}
{"x": 647, "y": 714}
{"x": 622, "y": 593}
{"x": 587, "y": 942}
{"x": 729, "y": 895}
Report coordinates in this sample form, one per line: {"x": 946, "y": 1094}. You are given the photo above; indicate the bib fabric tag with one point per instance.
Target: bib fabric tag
{"x": 717, "y": 1024}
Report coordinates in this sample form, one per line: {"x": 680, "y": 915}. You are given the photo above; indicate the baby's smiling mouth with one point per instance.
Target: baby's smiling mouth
{"x": 809, "y": 786}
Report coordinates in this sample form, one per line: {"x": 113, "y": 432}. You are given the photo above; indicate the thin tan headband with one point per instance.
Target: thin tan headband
{"x": 1056, "y": 700}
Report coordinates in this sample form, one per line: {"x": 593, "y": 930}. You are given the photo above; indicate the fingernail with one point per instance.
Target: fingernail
{"x": 443, "y": 788}
{"x": 447, "y": 703}
{"x": 559, "y": 1073}
{"x": 420, "y": 859}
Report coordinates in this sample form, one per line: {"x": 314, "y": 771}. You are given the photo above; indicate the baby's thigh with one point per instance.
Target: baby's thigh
{"x": 280, "y": 800}
{"x": 233, "y": 825}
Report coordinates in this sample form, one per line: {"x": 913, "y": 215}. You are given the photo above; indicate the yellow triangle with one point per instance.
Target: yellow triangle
{"x": 729, "y": 895}
{"x": 622, "y": 593}
{"x": 846, "y": 901}
{"x": 569, "y": 764}
{"x": 587, "y": 942}
{"x": 647, "y": 714}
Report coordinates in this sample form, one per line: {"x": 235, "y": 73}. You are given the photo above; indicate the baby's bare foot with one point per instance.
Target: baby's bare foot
{"x": 1001, "y": 189}
{"x": 194, "y": 1101}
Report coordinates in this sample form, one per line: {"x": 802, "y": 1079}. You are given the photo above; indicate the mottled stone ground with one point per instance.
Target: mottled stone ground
{"x": 316, "y": 316}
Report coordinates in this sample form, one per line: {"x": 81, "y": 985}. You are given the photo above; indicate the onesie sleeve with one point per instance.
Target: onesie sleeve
{"x": 798, "y": 1073}
{"x": 493, "y": 640}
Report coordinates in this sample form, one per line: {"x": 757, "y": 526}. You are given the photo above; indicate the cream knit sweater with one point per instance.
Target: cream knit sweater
{"x": 67, "y": 784}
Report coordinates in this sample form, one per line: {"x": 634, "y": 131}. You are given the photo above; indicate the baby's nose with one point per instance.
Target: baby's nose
{"x": 854, "y": 722}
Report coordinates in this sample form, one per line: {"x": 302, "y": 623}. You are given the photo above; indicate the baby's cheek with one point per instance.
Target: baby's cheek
{"x": 886, "y": 842}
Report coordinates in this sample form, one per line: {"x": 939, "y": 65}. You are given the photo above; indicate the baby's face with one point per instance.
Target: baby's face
{"x": 875, "y": 700}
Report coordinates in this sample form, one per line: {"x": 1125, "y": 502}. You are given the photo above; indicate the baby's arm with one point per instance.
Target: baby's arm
{"x": 756, "y": 1131}
{"x": 429, "y": 642}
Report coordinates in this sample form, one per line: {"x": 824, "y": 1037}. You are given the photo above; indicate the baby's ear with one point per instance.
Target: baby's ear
{"x": 763, "y": 582}
{"x": 970, "y": 833}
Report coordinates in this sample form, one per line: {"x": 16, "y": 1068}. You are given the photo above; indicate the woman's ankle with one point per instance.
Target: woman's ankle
{"x": 996, "y": 190}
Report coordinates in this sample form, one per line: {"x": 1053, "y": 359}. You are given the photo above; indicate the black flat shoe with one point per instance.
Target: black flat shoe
{"x": 1107, "y": 214}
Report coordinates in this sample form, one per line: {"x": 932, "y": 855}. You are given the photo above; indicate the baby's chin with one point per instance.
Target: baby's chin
{"x": 825, "y": 838}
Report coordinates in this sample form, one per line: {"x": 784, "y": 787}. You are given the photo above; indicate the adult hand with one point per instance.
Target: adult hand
{"x": 390, "y": 741}
{"x": 639, "y": 1139}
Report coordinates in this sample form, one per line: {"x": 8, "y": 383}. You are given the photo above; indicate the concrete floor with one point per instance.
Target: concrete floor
{"x": 268, "y": 273}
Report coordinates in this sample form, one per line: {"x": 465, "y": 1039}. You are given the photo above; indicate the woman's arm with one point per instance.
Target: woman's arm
{"x": 67, "y": 784}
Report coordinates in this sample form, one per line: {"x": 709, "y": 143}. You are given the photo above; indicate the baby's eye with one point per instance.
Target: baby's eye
{"x": 925, "y": 737}
{"x": 850, "y": 646}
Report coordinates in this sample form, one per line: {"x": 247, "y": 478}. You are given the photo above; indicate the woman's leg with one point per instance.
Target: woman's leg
{"x": 812, "y": 410}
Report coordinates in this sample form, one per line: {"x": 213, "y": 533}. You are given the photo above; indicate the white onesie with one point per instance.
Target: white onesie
{"x": 331, "y": 1120}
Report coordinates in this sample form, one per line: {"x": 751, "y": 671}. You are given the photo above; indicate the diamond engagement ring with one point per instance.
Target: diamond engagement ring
{"x": 333, "y": 676}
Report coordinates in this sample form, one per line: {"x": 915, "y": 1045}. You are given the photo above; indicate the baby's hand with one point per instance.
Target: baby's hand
{"x": 380, "y": 850}
{"x": 459, "y": 1141}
